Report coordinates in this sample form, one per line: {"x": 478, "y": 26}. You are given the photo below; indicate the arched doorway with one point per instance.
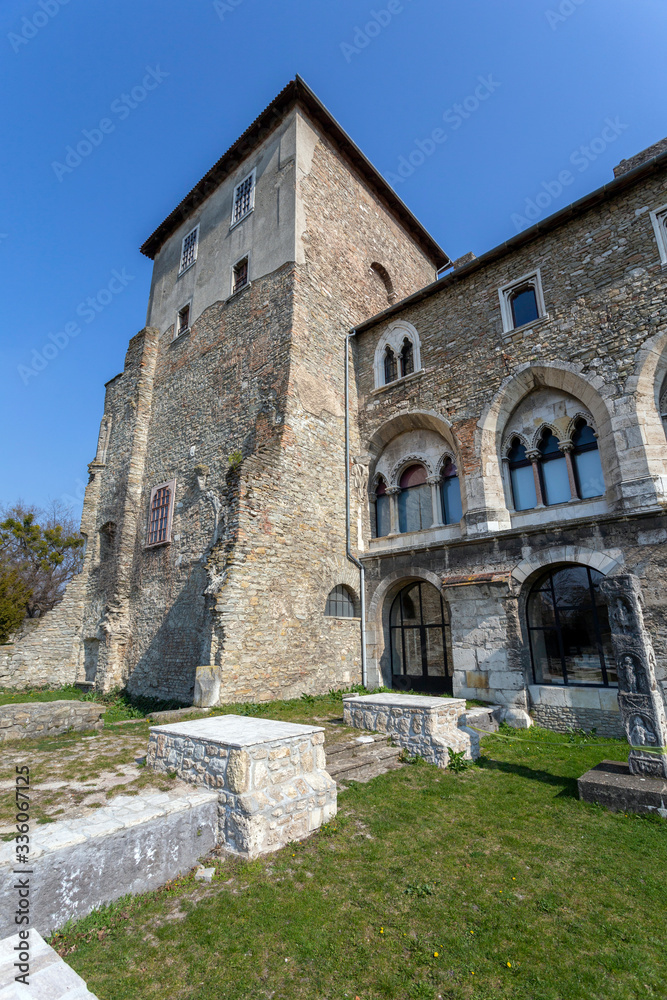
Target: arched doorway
{"x": 417, "y": 625}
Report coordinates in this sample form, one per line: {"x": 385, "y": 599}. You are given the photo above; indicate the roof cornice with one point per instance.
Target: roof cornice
{"x": 296, "y": 93}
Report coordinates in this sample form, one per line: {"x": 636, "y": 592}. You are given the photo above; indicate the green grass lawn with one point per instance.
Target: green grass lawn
{"x": 490, "y": 884}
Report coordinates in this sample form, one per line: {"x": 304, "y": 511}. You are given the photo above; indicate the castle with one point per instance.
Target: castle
{"x": 335, "y": 456}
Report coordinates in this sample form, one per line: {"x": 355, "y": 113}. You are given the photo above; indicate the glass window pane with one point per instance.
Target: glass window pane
{"x": 451, "y": 500}
{"x": 382, "y": 516}
{"x": 414, "y": 508}
{"x": 546, "y": 656}
{"x": 431, "y": 606}
{"x": 541, "y": 609}
{"x": 523, "y": 488}
{"x": 571, "y": 587}
{"x": 556, "y": 481}
{"x": 588, "y": 470}
{"x": 410, "y": 602}
{"x": 413, "y": 651}
{"x": 396, "y": 651}
{"x": 524, "y": 307}
{"x": 435, "y": 652}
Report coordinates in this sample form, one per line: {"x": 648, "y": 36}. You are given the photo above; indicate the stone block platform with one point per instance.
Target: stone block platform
{"x": 611, "y": 785}
{"x": 50, "y": 978}
{"x": 424, "y": 726}
{"x": 270, "y": 776}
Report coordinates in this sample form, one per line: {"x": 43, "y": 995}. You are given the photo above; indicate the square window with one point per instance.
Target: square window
{"x": 160, "y": 513}
{"x": 189, "y": 249}
{"x": 659, "y": 220}
{"x": 239, "y": 275}
{"x": 244, "y": 198}
{"x": 522, "y": 302}
{"x": 183, "y": 320}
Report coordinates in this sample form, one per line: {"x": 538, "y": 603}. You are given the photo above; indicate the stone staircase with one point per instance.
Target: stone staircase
{"x": 361, "y": 758}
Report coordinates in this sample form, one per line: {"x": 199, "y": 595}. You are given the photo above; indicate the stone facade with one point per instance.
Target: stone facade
{"x": 48, "y": 718}
{"x": 425, "y": 727}
{"x": 245, "y": 413}
{"x": 270, "y": 776}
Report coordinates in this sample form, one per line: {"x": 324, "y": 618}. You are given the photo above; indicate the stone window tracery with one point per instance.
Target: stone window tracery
{"x": 390, "y": 366}
{"x": 398, "y": 354}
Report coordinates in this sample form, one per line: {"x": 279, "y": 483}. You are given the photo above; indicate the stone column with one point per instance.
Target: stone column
{"x": 392, "y": 492}
{"x": 533, "y": 456}
{"x": 566, "y": 448}
{"x": 434, "y": 483}
{"x": 639, "y": 700}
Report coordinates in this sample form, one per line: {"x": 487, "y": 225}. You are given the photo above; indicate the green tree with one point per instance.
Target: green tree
{"x": 14, "y": 598}
{"x": 44, "y": 556}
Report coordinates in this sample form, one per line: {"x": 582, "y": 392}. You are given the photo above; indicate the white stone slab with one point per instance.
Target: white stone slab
{"x": 50, "y": 978}
{"x": 237, "y": 730}
{"x": 399, "y": 700}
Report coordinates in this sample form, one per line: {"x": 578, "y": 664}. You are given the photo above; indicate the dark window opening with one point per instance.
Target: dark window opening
{"x": 382, "y": 511}
{"x": 183, "y": 320}
{"x": 407, "y": 358}
{"x": 240, "y": 275}
{"x": 243, "y": 198}
{"x": 568, "y": 628}
{"x": 524, "y": 306}
{"x": 390, "y": 366}
{"x": 418, "y": 645}
{"x": 340, "y": 603}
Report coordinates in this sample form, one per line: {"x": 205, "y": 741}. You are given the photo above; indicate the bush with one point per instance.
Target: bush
{"x": 14, "y": 596}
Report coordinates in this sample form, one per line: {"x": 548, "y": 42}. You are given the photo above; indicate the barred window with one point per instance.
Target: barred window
{"x": 189, "y": 249}
{"x": 160, "y": 515}
{"x": 340, "y": 603}
{"x": 240, "y": 275}
{"x": 244, "y": 198}
{"x": 183, "y": 322}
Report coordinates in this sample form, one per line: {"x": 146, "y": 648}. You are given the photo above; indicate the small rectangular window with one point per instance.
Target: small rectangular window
{"x": 189, "y": 249}
{"x": 522, "y": 302}
{"x": 239, "y": 275}
{"x": 161, "y": 509}
{"x": 183, "y": 321}
{"x": 244, "y": 198}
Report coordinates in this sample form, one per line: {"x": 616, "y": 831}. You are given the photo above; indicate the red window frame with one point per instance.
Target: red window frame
{"x": 160, "y": 514}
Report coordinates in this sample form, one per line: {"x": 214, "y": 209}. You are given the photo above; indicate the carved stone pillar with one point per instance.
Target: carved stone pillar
{"x": 566, "y": 448}
{"x": 533, "y": 456}
{"x": 392, "y": 492}
{"x": 639, "y": 699}
{"x": 434, "y": 483}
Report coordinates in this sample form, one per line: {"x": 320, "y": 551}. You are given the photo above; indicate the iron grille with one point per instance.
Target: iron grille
{"x": 189, "y": 249}
{"x": 243, "y": 198}
{"x": 159, "y": 525}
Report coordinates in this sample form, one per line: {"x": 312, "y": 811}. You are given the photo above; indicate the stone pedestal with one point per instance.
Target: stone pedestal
{"x": 270, "y": 776}
{"x": 613, "y": 785}
{"x": 426, "y": 727}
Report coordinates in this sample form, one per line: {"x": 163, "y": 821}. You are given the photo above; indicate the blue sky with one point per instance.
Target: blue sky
{"x": 541, "y": 88}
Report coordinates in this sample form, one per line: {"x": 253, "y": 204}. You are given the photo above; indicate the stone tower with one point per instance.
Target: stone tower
{"x": 231, "y": 402}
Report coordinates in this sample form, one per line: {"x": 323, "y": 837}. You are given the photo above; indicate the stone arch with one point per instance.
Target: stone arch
{"x": 393, "y": 337}
{"x": 647, "y": 385}
{"x": 411, "y": 421}
{"x": 383, "y": 274}
{"x": 527, "y": 568}
{"x": 407, "y": 460}
{"x": 493, "y": 421}
{"x": 537, "y": 436}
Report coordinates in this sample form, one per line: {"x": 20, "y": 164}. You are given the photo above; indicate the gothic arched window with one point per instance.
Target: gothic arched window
{"x": 523, "y": 303}
{"x": 521, "y": 476}
{"x": 568, "y": 628}
{"x": 553, "y": 470}
{"x": 382, "y": 511}
{"x": 452, "y": 510}
{"x": 586, "y": 462}
{"x": 407, "y": 358}
{"x": 340, "y": 603}
{"x": 390, "y": 366}
{"x": 415, "y": 509}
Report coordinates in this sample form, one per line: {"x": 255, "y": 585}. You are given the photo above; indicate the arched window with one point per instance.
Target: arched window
{"x": 568, "y": 626}
{"x": 523, "y": 302}
{"x": 586, "y": 462}
{"x": 340, "y": 603}
{"x": 553, "y": 470}
{"x": 407, "y": 358}
{"x": 415, "y": 509}
{"x": 382, "y": 511}
{"x": 417, "y": 624}
{"x": 390, "y": 366}
{"x": 385, "y": 278}
{"x": 521, "y": 477}
{"x": 452, "y": 510}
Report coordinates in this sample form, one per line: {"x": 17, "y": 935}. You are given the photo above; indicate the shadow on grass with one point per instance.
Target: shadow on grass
{"x": 567, "y": 785}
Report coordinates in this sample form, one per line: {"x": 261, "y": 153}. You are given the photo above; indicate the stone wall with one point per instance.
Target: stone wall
{"x": 34, "y": 719}
{"x": 563, "y": 719}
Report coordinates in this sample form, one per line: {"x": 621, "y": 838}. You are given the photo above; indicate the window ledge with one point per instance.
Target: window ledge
{"x": 242, "y": 219}
{"x": 186, "y": 269}
{"x": 179, "y": 336}
{"x": 570, "y": 510}
{"x": 235, "y": 295}
{"x": 343, "y": 618}
{"x": 413, "y": 376}
{"x": 157, "y": 545}
{"x": 527, "y": 327}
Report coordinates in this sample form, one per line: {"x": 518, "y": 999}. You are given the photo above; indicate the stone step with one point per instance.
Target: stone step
{"x": 361, "y": 759}
{"x": 486, "y": 717}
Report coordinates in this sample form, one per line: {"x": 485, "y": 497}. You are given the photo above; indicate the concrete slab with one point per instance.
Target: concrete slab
{"x": 611, "y": 785}
{"x": 237, "y": 730}
{"x": 49, "y": 977}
